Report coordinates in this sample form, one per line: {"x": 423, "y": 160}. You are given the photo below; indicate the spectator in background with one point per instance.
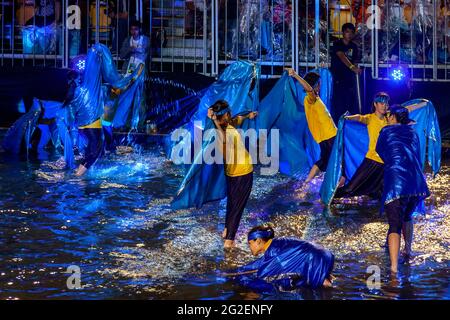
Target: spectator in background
{"x": 119, "y": 11}
{"x": 228, "y": 13}
{"x": 343, "y": 58}
{"x": 134, "y": 49}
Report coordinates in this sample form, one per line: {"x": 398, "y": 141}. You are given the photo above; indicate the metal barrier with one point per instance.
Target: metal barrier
{"x": 205, "y": 36}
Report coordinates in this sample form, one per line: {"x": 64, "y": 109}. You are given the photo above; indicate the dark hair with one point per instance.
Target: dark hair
{"x": 220, "y": 105}
{"x": 135, "y": 23}
{"x": 348, "y": 25}
{"x": 380, "y": 97}
{"x": 312, "y": 78}
{"x": 400, "y": 113}
{"x": 263, "y": 228}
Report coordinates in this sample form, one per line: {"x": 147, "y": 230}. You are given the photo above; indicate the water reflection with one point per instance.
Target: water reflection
{"x": 117, "y": 226}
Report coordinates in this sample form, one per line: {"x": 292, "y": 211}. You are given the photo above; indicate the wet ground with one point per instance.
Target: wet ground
{"x": 116, "y": 226}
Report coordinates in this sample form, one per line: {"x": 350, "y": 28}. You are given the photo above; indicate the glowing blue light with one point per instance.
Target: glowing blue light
{"x": 78, "y": 63}
{"x": 398, "y": 74}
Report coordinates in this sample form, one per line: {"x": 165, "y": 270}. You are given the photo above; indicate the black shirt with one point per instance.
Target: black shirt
{"x": 338, "y": 68}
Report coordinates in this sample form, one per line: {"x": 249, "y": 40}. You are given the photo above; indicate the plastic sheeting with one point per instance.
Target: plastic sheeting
{"x": 238, "y": 85}
{"x": 292, "y": 263}
{"x": 398, "y": 146}
{"x": 351, "y": 145}
{"x": 283, "y": 109}
{"x": 90, "y": 96}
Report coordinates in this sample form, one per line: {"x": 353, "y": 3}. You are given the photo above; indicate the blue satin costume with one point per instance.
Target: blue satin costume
{"x": 352, "y": 142}
{"x": 399, "y": 147}
{"x": 292, "y": 263}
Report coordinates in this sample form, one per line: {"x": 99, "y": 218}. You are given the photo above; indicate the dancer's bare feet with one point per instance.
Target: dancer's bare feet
{"x": 327, "y": 283}
{"x": 81, "y": 170}
{"x": 341, "y": 182}
{"x": 229, "y": 244}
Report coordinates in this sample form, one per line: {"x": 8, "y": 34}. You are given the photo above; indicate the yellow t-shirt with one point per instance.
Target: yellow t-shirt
{"x": 95, "y": 125}
{"x": 238, "y": 161}
{"x": 319, "y": 120}
{"x": 374, "y": 126}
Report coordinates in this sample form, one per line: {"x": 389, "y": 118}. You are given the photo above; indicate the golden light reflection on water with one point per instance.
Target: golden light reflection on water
{"x": 353, "y": 228}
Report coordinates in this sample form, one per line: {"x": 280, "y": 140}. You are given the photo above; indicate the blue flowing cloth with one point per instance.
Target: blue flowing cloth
{"x": 399, "y": 147}
{"x": 352, "y": 141}
{"x": 283, "y": 109}
{"x": 293, "y": 263}
{"x": 206, "y": 182}
{"x": 23, "y": 128}
{"x": 87, "y": 105}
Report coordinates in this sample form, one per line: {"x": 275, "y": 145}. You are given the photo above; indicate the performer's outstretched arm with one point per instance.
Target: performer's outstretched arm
{"x": 355, "y": 117}
{"x": 309, "y": 90}
{"x": 416, "y": 106}
{"x": 238, "y": 120}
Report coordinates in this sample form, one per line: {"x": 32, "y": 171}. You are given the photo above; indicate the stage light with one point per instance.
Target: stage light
{"x": 78, "y": 63}
{"x": 398, "y": 74}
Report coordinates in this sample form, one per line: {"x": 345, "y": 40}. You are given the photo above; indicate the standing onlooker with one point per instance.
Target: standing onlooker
{"x": 343, "y": 57}
{"x": 135, "y": 48}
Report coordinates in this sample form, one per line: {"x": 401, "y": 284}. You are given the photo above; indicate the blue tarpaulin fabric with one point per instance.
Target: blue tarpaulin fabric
{"x": 87, "y": 105}
{"x": 238, "y": 85}
{"x": 427, "y": 126}
{"x": 399, "y": 147}
{"x": 22, "y": 130}
{"x": 351, "y": 145}
{"x": 293, "y": 263}
{"x": 283, "y": 109}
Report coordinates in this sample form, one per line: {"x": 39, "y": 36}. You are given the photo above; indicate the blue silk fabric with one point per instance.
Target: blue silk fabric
{"x": 293, "y": 263}
{"x": 399, "y": 147}
{"x": 206, "y": 182}
{"x": 352, "y": 142}
{"x": 283, "y": 109}
{"x": 87, "y": 105}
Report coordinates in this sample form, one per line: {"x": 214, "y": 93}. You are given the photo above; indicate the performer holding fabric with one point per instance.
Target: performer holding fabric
{"x": 288, "y": 262}
{"x": 238, "y": 166}
{"x": 404, "y": 183}
{"x": 320, "y": 123}
{"x": 368, "y": 178}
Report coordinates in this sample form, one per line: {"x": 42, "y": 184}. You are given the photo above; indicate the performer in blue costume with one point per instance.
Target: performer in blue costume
{"x": 238, "y": 165}
{"x": 287, "y": 262}
{"x": 404, "y": 182}
{"x": 352, "y": 143}
{"x": 319, "y": 120}
{"x": 87, "y": 107}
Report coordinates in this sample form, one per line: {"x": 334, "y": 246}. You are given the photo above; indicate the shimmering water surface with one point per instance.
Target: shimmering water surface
{"x": 116, "y": 225}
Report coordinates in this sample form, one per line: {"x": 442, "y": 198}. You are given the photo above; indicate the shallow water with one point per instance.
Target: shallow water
{"x": 115, "y": 224}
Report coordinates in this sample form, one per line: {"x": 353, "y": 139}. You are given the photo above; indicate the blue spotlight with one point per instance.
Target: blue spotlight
{"x": 398, "y": 74}
{"x": 78, "y": 63}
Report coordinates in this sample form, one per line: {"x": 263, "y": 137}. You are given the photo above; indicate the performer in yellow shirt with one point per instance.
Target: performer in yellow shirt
{"x": 368, "y": 178}
{"x": 319, "y": 120}
{"x": 238, "y": 166}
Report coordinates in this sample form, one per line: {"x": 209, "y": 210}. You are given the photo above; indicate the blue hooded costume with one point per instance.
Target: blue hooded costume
{"x": 293, "y": 263}
{"x": 352, "y": 142}
{"x": 399, "y": 147}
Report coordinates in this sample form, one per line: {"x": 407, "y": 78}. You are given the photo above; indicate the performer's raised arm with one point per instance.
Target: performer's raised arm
{"x": 416, "y": 106}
